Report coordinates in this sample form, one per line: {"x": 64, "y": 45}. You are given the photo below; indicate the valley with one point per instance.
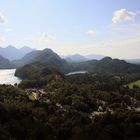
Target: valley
{"x": 60, "y": 100}
{"x": 70, "y": 70}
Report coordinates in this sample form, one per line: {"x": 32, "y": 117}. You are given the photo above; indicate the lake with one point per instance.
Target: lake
{"x": 7, "y": 77}
{"x": 77, "y": 72}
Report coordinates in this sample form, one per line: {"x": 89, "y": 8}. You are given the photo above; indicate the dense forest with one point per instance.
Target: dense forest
{"x": 49, "y": 104}
{"x": 70, "y": 108}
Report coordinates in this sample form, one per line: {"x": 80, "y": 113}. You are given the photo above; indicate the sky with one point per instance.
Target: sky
{"x": 106, "y": 27}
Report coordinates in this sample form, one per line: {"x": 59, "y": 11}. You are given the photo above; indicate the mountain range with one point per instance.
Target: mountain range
{"x": 81, "y": 58}
{"x": 12, "y": 53}
{"x": 27, "y": 58}
{"x": 37, "y": 61}
{"x": 134, "y": 61}
{"x": 108, "y": 66}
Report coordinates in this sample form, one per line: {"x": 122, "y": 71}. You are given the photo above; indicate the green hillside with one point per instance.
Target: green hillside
{"x": 137, "y": 83}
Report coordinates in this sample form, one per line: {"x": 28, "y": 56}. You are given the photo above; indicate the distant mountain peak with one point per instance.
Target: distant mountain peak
{"x": 48, "y": 50}
{"x": 13, "y": 53}
{"x": 10, "y": 47}
{"x": 106, "y": 59}
{"x": 82, "y": 58}
{"x": 75, "y": 58}
{"x": 42, "y": 59}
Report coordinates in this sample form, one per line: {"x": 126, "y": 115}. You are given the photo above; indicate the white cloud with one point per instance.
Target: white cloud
{"x": 2, "y": 19}
{"x": 92, "y": 32}
{"x": 122, "y": 15}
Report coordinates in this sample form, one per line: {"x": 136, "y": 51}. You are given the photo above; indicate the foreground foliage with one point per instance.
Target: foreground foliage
{"x": 67, "y": 111}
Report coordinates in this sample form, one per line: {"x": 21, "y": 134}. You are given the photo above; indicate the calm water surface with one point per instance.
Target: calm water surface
{"x": 77, "y": 72}
{"x": 7, "y": 77}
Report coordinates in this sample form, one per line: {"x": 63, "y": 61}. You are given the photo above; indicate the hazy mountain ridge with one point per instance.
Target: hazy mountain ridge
{"x": 75, "y": 58}
{"x": 12, "y": 53}
{"x": 82, "y": 58}
{"x": 5, "y": 63}
{"x": 27, "y": 58}
{"x": 134, "y": 61}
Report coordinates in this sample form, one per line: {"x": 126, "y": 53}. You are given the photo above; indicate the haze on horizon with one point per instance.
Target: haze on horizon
{"x": 106, "y": 27}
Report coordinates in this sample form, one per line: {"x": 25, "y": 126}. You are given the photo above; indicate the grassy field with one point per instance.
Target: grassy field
{"x": 134, "y": 83}
{"x": 31, "y": 97}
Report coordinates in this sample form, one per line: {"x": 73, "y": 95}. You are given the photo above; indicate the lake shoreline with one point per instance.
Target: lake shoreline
{"x": 8, "y": 77}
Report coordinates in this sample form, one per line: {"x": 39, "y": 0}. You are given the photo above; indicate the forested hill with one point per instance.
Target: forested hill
{"x": 35, "y": 63}
{"x": 39, "y": 56}
{"x": 47, "y": 59}
{"x": 107, "y": 65}
{"x": 27, "y": 58}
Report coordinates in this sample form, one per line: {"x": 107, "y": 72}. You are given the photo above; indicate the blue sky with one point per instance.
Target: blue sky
{"x": 108, "y": 27}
